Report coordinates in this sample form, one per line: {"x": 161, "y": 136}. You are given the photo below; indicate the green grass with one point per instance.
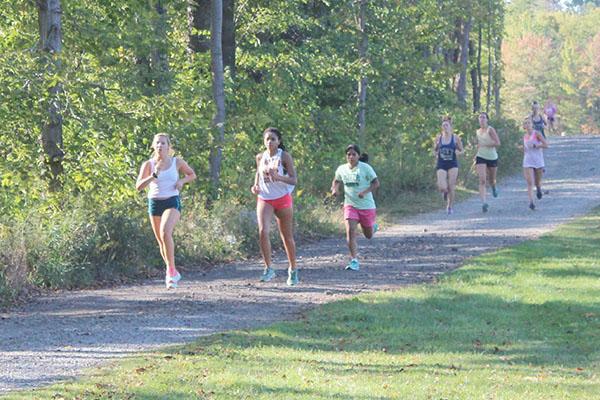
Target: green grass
{"x": 520, "y": 323}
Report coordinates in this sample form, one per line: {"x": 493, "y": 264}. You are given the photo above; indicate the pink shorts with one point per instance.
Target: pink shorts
{"x": 280, "y": 203}
{"x": 364, "y": 217}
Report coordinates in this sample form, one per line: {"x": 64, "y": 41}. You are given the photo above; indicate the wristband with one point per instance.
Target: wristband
{"x": 154, "y": 175}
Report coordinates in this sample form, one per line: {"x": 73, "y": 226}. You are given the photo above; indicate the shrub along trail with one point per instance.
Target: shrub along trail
{"x": 59, "y": 335}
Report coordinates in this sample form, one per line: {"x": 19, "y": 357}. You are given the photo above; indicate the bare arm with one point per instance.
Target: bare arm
{"x": 255, "y": 188}
{"x": 188, "y": 172}
{"x": 494, "y": 137}
{"x": 459, "y": 146}
{"x": 372, "y": 187}
{"x": 288, "y": 164}
{"x": 542, "y": 139}
{"x": 144, "y": 177}
{"x": 336, "y": 187}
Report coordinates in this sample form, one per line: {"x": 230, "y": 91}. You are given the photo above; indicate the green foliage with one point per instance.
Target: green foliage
{"x": 553, "y": 54}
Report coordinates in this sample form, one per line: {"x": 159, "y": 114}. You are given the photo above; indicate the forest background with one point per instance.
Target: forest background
{"x": 85, "y": 85}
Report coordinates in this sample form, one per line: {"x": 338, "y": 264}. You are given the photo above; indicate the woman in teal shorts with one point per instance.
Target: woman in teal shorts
{"x": 359, "y": 181}
{"x": 161, "y": 174}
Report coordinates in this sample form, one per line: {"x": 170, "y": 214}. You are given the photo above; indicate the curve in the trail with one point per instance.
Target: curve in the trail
{"x": 58, "y": 336}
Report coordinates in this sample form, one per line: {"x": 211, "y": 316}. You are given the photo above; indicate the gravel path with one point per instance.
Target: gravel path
{"x": 58, "y": 336}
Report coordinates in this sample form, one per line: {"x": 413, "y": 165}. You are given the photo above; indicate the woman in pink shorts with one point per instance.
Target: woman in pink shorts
{"x": 273, "y": 184}
{"x": 359, "y": 180}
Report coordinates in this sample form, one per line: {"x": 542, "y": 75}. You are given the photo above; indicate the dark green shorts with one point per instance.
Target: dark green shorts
{"x": 157, "y": 207}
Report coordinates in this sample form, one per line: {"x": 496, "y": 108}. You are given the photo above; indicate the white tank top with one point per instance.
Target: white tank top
{"x": 270, "y": 190}
{"x": 164, "y": 186}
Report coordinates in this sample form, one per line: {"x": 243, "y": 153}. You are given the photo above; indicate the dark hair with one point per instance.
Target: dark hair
{"x": 277, "y": 133}
{"x": 364, "y": 157}
{"x": 486, "y": 115}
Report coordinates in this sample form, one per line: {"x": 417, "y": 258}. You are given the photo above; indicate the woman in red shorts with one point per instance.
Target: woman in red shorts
{"x": 273, "y": 184}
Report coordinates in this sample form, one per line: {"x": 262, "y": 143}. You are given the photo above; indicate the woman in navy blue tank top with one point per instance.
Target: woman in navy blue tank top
{"x": 447, "y": 147}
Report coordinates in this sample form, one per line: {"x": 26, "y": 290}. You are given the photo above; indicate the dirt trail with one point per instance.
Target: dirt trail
{"x": 58, "y": 336}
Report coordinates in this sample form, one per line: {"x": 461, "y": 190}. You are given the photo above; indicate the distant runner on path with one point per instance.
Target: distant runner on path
{"x": 161, "y": 175}
{"x": 273, "y": 184}
{"x": 359, "y": 181}
{"x": 447, "y": 147}
{"x": 486, "y": 160}
{"x": 550, "y": 110}
{"x": 533, "y": 160}
{"x": 538, "y": 119}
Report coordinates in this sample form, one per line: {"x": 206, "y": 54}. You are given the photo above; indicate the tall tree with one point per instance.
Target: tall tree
{"x": 228, "y": 39}
{"x": 461, "y": 90}
{"x": 199, "y": 17}
{"x": 363, "y": 46}
{"x": 50, "y": 30}
{"x": 218, "y": 87}
{"x": 159, "y": 59}
{"x": 199, "y": 24}
{"x": 476, "y": 70}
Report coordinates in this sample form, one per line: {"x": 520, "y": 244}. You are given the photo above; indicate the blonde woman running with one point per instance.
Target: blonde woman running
{"x": 161, "y": 174}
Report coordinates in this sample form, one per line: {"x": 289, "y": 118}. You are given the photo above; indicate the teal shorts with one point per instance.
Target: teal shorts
{"x": 156, "y": 207}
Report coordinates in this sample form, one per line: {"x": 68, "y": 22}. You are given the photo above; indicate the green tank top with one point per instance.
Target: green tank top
{"x": 484, "y": 138}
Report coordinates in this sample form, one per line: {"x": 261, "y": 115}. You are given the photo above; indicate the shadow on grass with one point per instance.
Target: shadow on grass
{"x": 550, "y": 333}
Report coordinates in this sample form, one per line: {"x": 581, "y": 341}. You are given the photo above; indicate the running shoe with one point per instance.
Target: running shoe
{"x": 538, "y": 193}
{"x": 292, "y": 279}
{"x": 375, "y": 228}
{"x": 531, "y": 206}
{"x": 267, "y": 275}
{"x": 494, "y": 191}
{"x": 449, "y": 210}
{"x": 171, "y": 281}
{"x": 354, "y": 265}
{"x": 485, "y": 207}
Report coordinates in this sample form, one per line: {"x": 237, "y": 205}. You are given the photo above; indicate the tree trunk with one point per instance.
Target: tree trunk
{"x": 461, "y": 90}
{"x": 50, "y": 29}
{"x": 476, "y": 72}
{"x": 159, "y": 59}
{"x": 489, "y": 44}
{"x": 497, "y": 74}
{"x": 362, "y": 83}
{"x": 199, "y": 15}
{"x": 218, "y": 86}
{"x": 229, "y": 36}
{"x": 479, "y": 77}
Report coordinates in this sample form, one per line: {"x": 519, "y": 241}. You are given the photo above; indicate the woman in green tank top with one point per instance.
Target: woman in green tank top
{"x": 486, "y": 160}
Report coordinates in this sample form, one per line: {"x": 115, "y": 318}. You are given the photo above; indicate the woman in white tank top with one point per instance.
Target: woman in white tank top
{"x": 274, "y": 182}
{"x": 161, "y": 175}
{"x": 533, "y": 159}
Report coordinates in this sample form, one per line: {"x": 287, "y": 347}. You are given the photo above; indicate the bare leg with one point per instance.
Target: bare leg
{"x": 155, "y": 222}
{"x": 285, "y": 222}
{"x": 351, "y": 237}
{"x": 482, "y": 173}
{"x": 528, "y": 173}
{"x": 442, "y": 180}
{"x": 492, "y": 175}
{"x": 264, "y": 212}
{"x": 539, "y": 172}
{"x": 167, "y": 224}
{"x": 452, "y": 177}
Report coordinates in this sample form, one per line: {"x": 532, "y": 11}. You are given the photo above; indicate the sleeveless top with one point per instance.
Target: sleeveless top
{"x": 532, "y": 157}
{"x": 446, "y": 152}
{"x": 538, "y": 125}
{"x": 484, "y": 138}
{"x": 164, "y": 186}
{"x": 270, "y": 190}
